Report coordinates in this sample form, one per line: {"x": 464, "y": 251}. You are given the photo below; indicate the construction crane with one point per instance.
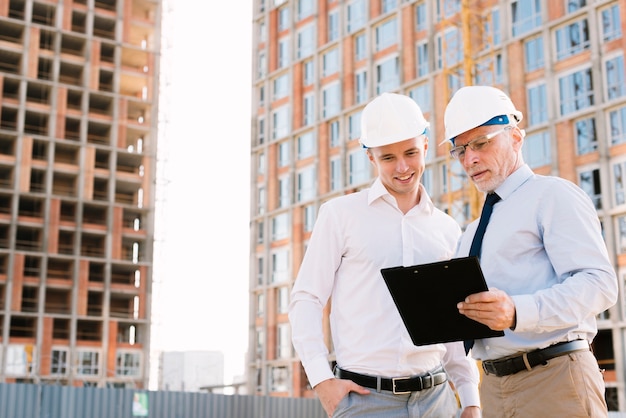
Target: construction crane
{"x": 471, "y": 24}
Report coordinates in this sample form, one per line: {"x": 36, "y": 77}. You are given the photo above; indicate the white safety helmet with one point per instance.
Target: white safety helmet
{"x": 474, "y": 106}
{"x": 391, "y": 118}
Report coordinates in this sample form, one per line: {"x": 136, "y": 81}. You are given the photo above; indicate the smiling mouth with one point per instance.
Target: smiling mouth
{"x": 404, "y": 178}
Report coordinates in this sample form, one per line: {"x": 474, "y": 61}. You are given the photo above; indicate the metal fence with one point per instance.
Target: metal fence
{"x": 45, "y": 401}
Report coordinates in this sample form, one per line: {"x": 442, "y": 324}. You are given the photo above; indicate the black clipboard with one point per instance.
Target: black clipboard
{"x": 426, "y": 296}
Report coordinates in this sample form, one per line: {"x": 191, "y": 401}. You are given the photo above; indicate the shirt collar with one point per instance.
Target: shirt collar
{"x": 514, "y": 181}
{"x": 379, "y": 191}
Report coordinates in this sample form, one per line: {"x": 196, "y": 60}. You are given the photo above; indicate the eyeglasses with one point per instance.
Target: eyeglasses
{"x": 476, "y": 144}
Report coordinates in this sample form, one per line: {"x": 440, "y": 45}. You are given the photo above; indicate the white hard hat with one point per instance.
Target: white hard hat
{"x": 474, "y": 106}
{"x": 391, "y": 118}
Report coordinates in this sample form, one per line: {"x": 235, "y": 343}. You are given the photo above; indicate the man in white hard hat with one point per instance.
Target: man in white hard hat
{"x": 379, "y": 373}
{"x": 546, "y": 265}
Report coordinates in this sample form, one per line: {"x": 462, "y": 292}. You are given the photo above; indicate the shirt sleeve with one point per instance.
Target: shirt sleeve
{"x": 463, "y": 372}
{"x": 573, "y": 242}
{"x": 311, "y": 292}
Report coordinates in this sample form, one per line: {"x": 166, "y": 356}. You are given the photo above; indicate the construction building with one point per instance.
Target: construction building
{"x": 78, "y": 122}
{"x": 318, "y": 62}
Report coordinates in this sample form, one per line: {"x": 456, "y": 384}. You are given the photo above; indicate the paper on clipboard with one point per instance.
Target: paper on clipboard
{"x": 426, "y": 296}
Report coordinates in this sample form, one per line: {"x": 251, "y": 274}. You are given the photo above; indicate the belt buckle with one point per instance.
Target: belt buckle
{"x": 393, "y": 385}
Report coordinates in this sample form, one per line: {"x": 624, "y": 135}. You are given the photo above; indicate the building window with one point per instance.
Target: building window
{"x": 284, "y": 155}
{"x": 281, "y": 86}
{"x": 280, "y": 123}
{"x": 617, "y": 125}
{"x": 283, "y": 52}
{"x": 354, "y": 126}
{"x": 335, "y": 174}
{"x": 537, "y": 104}
{"x": 261, "y": 163}
{"x": 421, "y": 95}
{"x": 575, "y": 91}
{"x": 59, "y": 362}
{"x": 452, "y": 51}
{"x": 280, "y": 227}
{"x": 333, "y": 25}
{"x": 619, "y": 171}
{"x": 386, "y": 34}
{"x": 572, "y": 39}
{"x": 525, "y": 15}
{"x": 280, "y": 266}
{"x": 87, "y": 363}
{"x": 359, "y": 167}
{"x": 360, "y": 47}
{"x": 447, "y": 8}
{"x": 282, "y": 305}
{"x": 387, "y": 75}
{"x": 486, "y": 70}
{"x": 611, "y": 23}
{"x": 260, "y": 343}
{"x": 590, "y": 182}
{"x": 388, "y": 5}
{"x": 283, "y": 19}
{"x": 305, "y": 8}
{"x": 357, "y": 15}
{"x": 334, "y": 133}
{"x": 260, "y": 305}
{"x": 586, "y": 140}
{"x": 621, "y": 221}
{"x": 422, "y": 59}
{"x": 360, "y": 86}
{"x": 308, "y": 115}
{"x": 284, "y": 189}
{"x": 262, "y": 70}
{"x": 421, "y": 16}
{"x": 615, "y": 81}
{"x": 306, "y": 145}
{"x": 536, "y": 149}
{"x": 279, "y": 379}
{"x": 330, "y": 62}
{"x": 128, "y": 364}
{"x": 496, "y": 35}
{"x": 262, "y": 31}
{"x": 260, "y": 233}
{"x": 306, "y": 41}
{"x": 261, "y": 200}
{"x": 283, "y": 345}
{"x": 427, "y": 180}
{"x": 533, "y": 53}
{"x": 307, "y": 183}
{"x": 331, "y": 96}
{"x": 309, "y": 73}
{"x": 261, "y": 130}
{"x": 573, "y": 5}
{"x": 260, "y": 271}
{"x": 308, "y": 218}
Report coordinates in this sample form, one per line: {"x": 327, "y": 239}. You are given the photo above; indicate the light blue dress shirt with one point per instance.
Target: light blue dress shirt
{"x": 544, "y": 247}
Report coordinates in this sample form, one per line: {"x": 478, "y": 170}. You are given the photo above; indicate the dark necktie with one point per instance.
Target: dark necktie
{"x": 477, "y": 242}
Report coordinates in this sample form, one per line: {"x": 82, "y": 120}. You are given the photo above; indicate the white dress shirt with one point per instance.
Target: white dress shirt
{"x": 354, "y": 237}
{"x": 544, "y": 247}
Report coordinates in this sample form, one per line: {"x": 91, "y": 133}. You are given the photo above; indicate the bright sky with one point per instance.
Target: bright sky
{"x": 203, "y": 262}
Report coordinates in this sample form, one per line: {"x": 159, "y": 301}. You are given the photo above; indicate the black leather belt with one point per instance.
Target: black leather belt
{"x": 511, "y": 365}
{"x": 397, "y": 385}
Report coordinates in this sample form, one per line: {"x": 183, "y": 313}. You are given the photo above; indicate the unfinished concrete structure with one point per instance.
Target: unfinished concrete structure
{"x": 78, "y": 119}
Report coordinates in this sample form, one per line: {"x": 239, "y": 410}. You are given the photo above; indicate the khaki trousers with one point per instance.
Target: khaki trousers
{"x": 569, "y": 386}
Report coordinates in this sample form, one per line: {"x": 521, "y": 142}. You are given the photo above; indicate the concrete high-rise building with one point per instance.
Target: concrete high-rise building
{"x": 318, "y": 62}
{"x": 78, "y": 123}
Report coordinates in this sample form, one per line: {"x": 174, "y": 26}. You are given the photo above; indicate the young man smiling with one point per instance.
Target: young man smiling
{"x": 379, "y": 373}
